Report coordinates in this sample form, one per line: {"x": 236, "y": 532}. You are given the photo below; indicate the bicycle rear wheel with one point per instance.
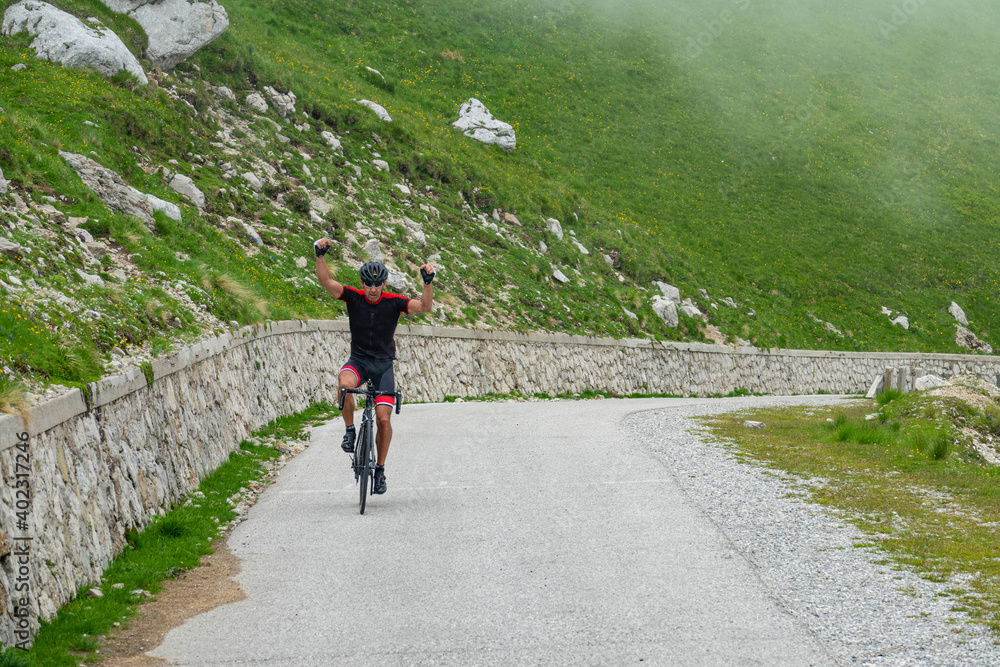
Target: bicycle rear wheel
{"x": 363, "y": 463}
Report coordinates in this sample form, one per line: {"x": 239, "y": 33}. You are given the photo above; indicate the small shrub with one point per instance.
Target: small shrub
{"x": 172, "y": 526}
{"x": 940, "y": 447}
{"x": 887, "y": 397}
{"x": 864, "y": 433}
{"x": 298, "y": 201}
{"x": 126, "y": 80}
{"x": 12, "y": 395}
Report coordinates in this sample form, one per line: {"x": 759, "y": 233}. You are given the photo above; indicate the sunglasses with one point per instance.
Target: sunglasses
{"x": 368, "y": 284}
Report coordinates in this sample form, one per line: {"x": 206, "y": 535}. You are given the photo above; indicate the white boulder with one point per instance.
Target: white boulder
{"x": 178, "y": 28}
{"x": 666, "y": 309}
{"x": 929, "y": 382}
{"x": 476, "y": 121}
{"x": 902, "y": 321}
{"x": 10, "y": 249}
{"x": 377, "y": 108}
{"x": 553, "y": 226}
{"x": 959, "y": 314}
{"x": 3, "y": 183}
{"x": 669, "y": 291}
{"x": 256, "y": 102}
{"x": 331, "y": 139}
{"x": 560, "y": 276}
{"x": 63, "y": 38}
{"x": 169, "y": 209}
{"x": 752, "y": 424}
{"x": 396, "y": 282}
{"x": 254, "y": 182}
{"x": 689, "y": 309}
{"x": 185, "y": 187}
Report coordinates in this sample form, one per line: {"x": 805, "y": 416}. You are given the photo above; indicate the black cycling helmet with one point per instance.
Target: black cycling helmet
{"x": 374, "y": 273}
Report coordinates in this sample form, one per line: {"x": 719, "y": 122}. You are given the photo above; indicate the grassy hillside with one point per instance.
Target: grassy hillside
{"x": 813, "y": 163}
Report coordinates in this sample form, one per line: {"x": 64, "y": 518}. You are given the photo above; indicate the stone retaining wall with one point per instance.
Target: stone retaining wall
{"x": 105, "y": 461}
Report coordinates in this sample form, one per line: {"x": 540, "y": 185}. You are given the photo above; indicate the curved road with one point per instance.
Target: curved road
{"x": 512, "y": 533}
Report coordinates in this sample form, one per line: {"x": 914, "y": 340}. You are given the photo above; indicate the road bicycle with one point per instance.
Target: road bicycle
{"x": 364, "y": 459}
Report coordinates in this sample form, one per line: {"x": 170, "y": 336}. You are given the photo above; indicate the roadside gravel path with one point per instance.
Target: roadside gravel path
{"x": 863, "y": 612}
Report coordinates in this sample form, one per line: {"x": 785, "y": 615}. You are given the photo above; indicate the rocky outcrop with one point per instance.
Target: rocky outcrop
{"x": 63, "y": 38}
{"x": 283, "y": 103}
{"x": 476, "y": 121}
{"x": 176, "y": 28}
{"x": 3, "y": 183}
{"x": 970, "y": 341}
{"x": 111, "y": 188}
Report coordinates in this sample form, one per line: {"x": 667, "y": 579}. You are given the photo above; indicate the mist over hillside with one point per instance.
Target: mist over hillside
{"x": 805, "y": 174}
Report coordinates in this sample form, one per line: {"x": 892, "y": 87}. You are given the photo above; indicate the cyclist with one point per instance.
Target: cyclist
{"x": 373, "y": 316}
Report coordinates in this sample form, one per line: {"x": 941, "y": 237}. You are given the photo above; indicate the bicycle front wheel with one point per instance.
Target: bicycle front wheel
{"x": 363, "y": 462}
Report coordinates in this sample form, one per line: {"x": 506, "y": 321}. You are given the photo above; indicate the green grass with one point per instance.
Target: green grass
{"x": 799, "y": 178}
{"x": 908, "y": 479}
{"x": 167, "y": 547}
{"x": 624, "y": 130}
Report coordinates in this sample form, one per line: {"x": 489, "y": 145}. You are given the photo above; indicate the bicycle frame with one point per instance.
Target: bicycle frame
{"x": 364, "y": 459}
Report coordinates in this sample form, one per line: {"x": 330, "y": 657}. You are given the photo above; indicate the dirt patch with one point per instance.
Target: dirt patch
{"x": 198, "y": 590}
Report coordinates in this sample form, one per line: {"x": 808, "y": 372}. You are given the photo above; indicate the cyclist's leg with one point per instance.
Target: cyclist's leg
{"x": 383, "y": 412}
{"x": 384, "y": 435}
{"x": 350, "y": 377}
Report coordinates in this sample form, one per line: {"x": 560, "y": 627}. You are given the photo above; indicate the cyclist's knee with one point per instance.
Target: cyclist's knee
{"x": 382, "y": 417}
{"x": 348, "y": 379}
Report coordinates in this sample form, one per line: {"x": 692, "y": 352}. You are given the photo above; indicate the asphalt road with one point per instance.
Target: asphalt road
{"x": 511, "y": 533}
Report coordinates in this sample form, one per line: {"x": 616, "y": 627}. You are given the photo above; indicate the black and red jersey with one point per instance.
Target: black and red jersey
{"x": 373, "y": 325}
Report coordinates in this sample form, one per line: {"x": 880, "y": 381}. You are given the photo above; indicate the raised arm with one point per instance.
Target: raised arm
{"x": 323, "y": 271}
{"x": 426, "y": 301}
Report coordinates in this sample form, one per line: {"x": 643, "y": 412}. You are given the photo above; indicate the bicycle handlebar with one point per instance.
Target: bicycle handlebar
{"x": 372, "y": 394}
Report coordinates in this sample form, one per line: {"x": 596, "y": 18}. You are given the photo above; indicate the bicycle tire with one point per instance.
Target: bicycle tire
{"x": 363, "y": 457}
{"x": 355, "y": 458}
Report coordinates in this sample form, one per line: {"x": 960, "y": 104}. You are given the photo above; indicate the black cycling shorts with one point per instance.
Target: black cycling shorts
{"x": 379, "y": 371}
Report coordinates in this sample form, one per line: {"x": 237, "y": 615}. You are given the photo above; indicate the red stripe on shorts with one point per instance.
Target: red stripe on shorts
{"x": 353, "y": 370}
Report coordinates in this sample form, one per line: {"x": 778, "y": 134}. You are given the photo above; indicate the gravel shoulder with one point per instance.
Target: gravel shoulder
{"x": 864, "y": 611}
